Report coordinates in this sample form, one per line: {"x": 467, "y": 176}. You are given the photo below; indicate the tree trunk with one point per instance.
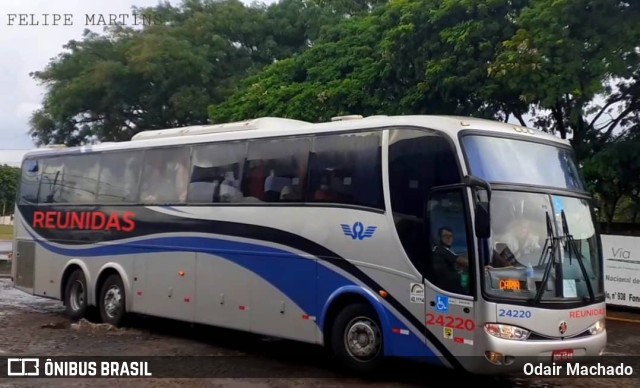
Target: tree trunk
{"x": 636, "y": 210}
{"x": 611, "y": 212}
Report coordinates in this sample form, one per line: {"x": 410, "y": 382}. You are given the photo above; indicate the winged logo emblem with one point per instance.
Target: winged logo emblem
{"x": 358, "y": 231}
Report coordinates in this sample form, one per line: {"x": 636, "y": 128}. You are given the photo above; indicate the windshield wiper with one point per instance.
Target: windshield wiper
{"x": 572, "y": 247}
{"x": 548, "y": 252}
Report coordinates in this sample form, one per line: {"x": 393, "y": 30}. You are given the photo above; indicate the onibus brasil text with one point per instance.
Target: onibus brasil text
{"x": 86, "y": 368}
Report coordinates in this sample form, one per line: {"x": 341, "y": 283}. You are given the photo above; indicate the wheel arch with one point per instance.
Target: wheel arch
{"x": 348, "y": 295}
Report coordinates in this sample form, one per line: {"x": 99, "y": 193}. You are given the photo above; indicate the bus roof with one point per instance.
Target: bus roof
{"x": 265, "y": 127}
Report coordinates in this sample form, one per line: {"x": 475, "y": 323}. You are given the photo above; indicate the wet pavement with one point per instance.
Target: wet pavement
{"x": 32, "y": 325}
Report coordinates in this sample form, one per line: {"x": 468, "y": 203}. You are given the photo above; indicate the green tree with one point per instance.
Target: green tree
{"x": 9, "y": 180}
{"x": 565, "y": 54}
{"x": 407, "y": 56}
{"x": 107, "y": 87}
{"x": 612, "y": 174}
{"x": 330, "y": 78}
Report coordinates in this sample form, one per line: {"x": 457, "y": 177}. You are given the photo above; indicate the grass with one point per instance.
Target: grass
{"x": 6, "y": 232}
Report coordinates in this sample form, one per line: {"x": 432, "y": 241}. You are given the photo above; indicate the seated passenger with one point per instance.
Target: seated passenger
{"x": 450, "y": 269}
{"x": 273, "y": 186}
{"x": 289, "y": 194}
{"x": 324, "y": 193}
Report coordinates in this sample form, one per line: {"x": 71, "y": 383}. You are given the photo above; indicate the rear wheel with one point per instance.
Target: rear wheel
{"x": 112, "y": 301}
{"x": 357, "y": 339}
{"x": 75, "y": 295}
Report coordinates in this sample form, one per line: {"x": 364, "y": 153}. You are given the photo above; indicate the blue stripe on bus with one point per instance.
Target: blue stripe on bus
{"x": 300, "y": 289}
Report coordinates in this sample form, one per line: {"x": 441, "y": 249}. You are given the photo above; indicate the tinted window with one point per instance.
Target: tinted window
{"x": 119, "y": 177}
{"x": 165, "y": 176}
{"x": 516, "y": 161}
{"x": 346, "y": 169}
{"x": 215, "y": 173}
{"x": 80, "y": 179}
{"x": 448, "y": 263}
{"x": 30, "y": 181}
{"x": 51, "y": 180}
{"x": 418, "y": 161}
{"x": 276, "y": 170}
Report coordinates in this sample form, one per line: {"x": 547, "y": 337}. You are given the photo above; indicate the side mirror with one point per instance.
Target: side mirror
{"x": 482, "y": 190}
{"x": 482, "y": 214}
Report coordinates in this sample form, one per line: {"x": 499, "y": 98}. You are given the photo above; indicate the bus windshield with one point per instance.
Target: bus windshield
{"x": 525, "y": 225}
{"x": 520, "y": 243}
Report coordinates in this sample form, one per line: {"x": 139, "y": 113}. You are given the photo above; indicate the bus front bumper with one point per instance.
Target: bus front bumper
{"x": 511, "y": 356}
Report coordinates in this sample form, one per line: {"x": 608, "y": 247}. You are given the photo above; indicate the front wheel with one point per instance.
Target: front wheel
{"x": 112, "y": 301}
{"x": 357, "y": 339}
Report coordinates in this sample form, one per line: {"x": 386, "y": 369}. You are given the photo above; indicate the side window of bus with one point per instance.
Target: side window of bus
{"x": 448, "y": 265}
{"x": 80, "y": 179}
{"x": 165, "y": 175}
{"x": 418, "y": 162}
{"x": 51, "y": 180}
{"x": 29, "y": 181}
{"x": 215, "y": 173}
{"x": 276, "y": 170}
{"x": 119, "y": 177}
{"x": 347, "y": 169}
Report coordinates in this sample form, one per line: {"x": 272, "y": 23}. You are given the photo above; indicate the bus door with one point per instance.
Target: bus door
{"x": 449, "y": 272}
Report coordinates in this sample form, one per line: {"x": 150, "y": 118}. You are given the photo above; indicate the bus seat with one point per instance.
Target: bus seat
{"x": 201, "y": 191}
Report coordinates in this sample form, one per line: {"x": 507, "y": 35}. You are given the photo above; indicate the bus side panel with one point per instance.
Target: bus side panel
{"x": 249, "y": 289}
{"x": 222, "y": 293}
{"x": 288, "y": 311}
{"x": 138, "y": 282}
{"x": 44, "y": 273}
{"x": 169, "y": 290}
{"x": 24, "y": 265}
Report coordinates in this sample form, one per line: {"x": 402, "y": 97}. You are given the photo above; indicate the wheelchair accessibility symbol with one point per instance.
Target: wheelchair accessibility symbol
{"x": 442, "y": 303}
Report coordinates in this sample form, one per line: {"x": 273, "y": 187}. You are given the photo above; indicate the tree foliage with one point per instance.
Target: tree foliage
{"x": 107, "y": 87}
{"x": 564, "y": 54}
{"x": 9, "y": 180}
{"x": 426, "y": 56}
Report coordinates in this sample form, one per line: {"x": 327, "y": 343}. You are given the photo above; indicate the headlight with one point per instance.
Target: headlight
{"x": 506, "y": 331}
{"x": 597, "y": 327}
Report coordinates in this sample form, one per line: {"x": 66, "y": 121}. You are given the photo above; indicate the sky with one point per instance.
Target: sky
{"x": 28, "y": 48}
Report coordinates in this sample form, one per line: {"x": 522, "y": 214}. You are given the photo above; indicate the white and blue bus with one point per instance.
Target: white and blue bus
{"x": 458, "y": 241}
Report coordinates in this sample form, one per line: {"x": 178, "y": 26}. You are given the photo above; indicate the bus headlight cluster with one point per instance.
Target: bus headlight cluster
{"x": 597, "y": 327}
{"x": 506, "y": 331}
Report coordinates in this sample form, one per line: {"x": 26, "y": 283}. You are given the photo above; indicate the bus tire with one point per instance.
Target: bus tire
{"x": 112, "y": 301}
{"x": 75, "y": 295}
{"x": 356, "y": 339}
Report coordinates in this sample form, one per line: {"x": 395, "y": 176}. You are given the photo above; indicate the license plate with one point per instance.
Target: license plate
{"x": 562, "y": 355}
